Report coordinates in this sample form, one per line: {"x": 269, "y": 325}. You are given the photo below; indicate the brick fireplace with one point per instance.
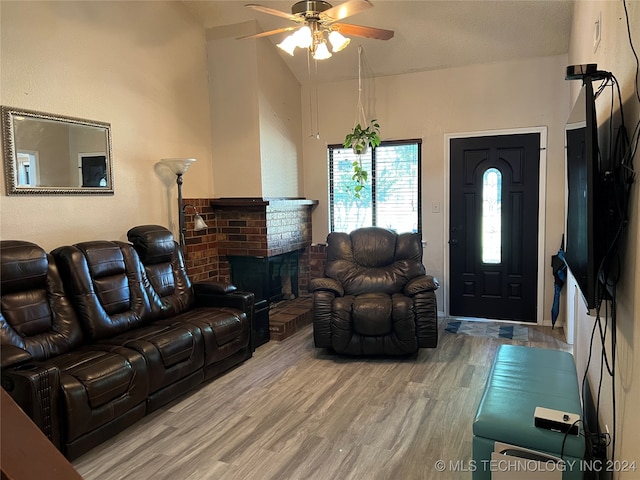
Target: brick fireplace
{"x": 248, "y": 227}
{"x": 260, "y": 245}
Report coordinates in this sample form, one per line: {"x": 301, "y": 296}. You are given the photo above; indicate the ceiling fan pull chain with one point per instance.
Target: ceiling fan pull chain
{"x": 313, "y": 91}
{"x": 317, "y": 103}
{"x": 310, "y": 86}
{"x": 359, "y": 107}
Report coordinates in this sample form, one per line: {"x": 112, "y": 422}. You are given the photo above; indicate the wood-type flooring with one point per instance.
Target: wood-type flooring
{"x": 297, "y": 412}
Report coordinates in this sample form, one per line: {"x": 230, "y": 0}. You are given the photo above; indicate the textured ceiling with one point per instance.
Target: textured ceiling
{"x": 429, "y": 35}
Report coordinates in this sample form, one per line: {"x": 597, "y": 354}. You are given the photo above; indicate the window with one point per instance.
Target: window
{"x": 492, "y": 216}
{"x": 391, "y": 197}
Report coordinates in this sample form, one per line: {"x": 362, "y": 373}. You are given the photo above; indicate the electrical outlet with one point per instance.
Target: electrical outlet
{"x": 435, "y": 207}
{"x": 597, "y": 32}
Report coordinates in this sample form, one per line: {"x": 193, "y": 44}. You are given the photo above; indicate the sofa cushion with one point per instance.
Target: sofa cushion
{"x": 24, "y": 267}
{"x": 225, "y": 330}
{"x": 372, "y": 314}
{"x": 104, "y": 280}
{"x": 373, "y": 260}
{"x": 98, "y": 386}
{"x": 171, "y": 351}
{"x": 170, "y": 291}
{"x": 153, "y": 243}
{"x": 104, "y": 376}
{"x": 35, "y": 314}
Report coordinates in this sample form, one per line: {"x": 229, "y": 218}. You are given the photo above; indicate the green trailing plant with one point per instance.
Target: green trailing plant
{"x": 359, "y": 176}
{"x": 359, "y": 140}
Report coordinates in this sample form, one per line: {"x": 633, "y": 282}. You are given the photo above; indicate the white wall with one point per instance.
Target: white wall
{"x": 429, "y": 105}
{"x": 614, "y": 55}
{"x": 235, "y": 120}
{"x": 255, "y": 116}
{"x": 280, "y": 125}
{"x": 140, "y": 66}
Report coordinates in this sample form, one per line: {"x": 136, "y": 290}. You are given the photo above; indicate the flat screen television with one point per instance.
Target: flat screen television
{"x": 585, "y": 236}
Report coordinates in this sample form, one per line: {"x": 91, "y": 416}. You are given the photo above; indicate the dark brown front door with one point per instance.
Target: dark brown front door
{"x": 493, "y": 238}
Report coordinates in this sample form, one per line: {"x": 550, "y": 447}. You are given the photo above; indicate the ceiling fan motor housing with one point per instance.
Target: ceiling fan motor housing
{"x": 310, "y": 8}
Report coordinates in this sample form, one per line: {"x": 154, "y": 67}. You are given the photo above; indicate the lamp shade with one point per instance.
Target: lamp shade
{"x": 338, "y": 41}
{"x": 303, "y": 37}
{"x": 288, "y": 45}
{"x": 199, "y": 223}
{"x": 322, "y": 52}
{"x": 178, "y": 165}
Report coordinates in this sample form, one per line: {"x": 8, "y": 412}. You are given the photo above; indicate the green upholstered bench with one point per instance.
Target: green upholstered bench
{"x": 521, "y": 379}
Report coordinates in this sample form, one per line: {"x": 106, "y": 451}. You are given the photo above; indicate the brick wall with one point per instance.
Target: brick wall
{"x": 317, "y": 258}
{"x": 201, "y": 251}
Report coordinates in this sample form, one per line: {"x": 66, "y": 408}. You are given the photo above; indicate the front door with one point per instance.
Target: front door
{"x": 493, "y": 238}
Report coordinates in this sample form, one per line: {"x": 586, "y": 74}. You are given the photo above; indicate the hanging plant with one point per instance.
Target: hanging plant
{"x": 360, "y": 138}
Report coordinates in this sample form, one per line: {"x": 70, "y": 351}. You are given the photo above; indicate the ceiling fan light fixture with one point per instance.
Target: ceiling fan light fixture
{"x": 338, "y": 41}
{"x": 303, "y": 37}
{"x": 321, "y": 52}
{"x": 318, "y": 19}
{"x": 288, "y": 44}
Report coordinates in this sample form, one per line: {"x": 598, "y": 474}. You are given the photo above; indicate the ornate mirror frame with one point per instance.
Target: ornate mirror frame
{"x": 87, "y": 150}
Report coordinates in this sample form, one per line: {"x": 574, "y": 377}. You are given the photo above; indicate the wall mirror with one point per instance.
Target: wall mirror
{"x": 48, "y": 154}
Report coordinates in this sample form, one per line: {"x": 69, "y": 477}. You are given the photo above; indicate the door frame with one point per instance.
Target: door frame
{"x": 542, "y": 201}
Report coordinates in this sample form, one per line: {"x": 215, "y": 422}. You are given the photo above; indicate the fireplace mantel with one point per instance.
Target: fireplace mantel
{"x": 262, "y": 227}
{"x": 239, "y": 202}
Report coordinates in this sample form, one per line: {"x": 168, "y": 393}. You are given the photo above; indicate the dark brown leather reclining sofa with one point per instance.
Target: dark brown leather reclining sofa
{"x": 98, "y": 334}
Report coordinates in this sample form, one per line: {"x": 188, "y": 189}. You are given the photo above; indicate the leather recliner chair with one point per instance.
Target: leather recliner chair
{"x": 375, "y": 297}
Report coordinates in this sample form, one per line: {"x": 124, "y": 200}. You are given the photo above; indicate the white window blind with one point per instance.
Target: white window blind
{"x": 391, "y": 195}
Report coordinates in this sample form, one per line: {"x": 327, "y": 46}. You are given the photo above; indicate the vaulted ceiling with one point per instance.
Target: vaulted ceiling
{"x": 429, "y": 34}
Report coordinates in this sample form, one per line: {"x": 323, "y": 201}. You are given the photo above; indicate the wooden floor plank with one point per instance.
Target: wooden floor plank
{"x": 297, "y": 412}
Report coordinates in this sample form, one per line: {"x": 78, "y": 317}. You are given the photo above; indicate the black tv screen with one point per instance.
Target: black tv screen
{"x": 584, "y": 239}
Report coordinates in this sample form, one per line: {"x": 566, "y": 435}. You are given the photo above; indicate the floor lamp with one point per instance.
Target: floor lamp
{"x": 179, "y": 166}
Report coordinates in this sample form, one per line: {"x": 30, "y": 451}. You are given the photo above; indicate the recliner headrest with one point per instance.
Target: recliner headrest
{"x": 153, "y": 243}
{"x": 24, "y": 266}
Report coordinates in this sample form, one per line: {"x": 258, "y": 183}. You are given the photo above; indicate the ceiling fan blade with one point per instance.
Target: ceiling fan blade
{"x": 270, "y": 32}
{"x": 344, "y": 10}
{"x": 272, "y": 11}
{"x": 362, "y": 31}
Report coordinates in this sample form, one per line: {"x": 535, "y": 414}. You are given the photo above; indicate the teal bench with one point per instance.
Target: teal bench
{"x": 521, "y": 379}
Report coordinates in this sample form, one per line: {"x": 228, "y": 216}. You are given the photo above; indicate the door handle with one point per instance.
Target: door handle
{"x": 453, "y": 242}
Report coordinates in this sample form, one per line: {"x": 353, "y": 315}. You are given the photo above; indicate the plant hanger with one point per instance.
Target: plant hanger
{"x": 363, "y": 133}
{"x": 362, "y": 136}
{"x": 360, "y": 115}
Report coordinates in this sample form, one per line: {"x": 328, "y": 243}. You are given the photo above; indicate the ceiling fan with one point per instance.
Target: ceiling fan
{"x": 318, "y": 18}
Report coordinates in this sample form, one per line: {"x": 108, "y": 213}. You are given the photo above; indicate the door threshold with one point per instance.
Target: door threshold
{"x": 477, "y": 319}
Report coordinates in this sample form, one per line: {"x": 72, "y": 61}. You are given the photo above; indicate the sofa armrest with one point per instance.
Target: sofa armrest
{"x": 326, "y": 284}
{"x": 322, "y": 313}
{"x": 213, "y": 287}
{"x": 423, "y": 283}
{"x": 12, "y": 356}
{"x": 220, "y": 294}
{"x": 35, "y": 388}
